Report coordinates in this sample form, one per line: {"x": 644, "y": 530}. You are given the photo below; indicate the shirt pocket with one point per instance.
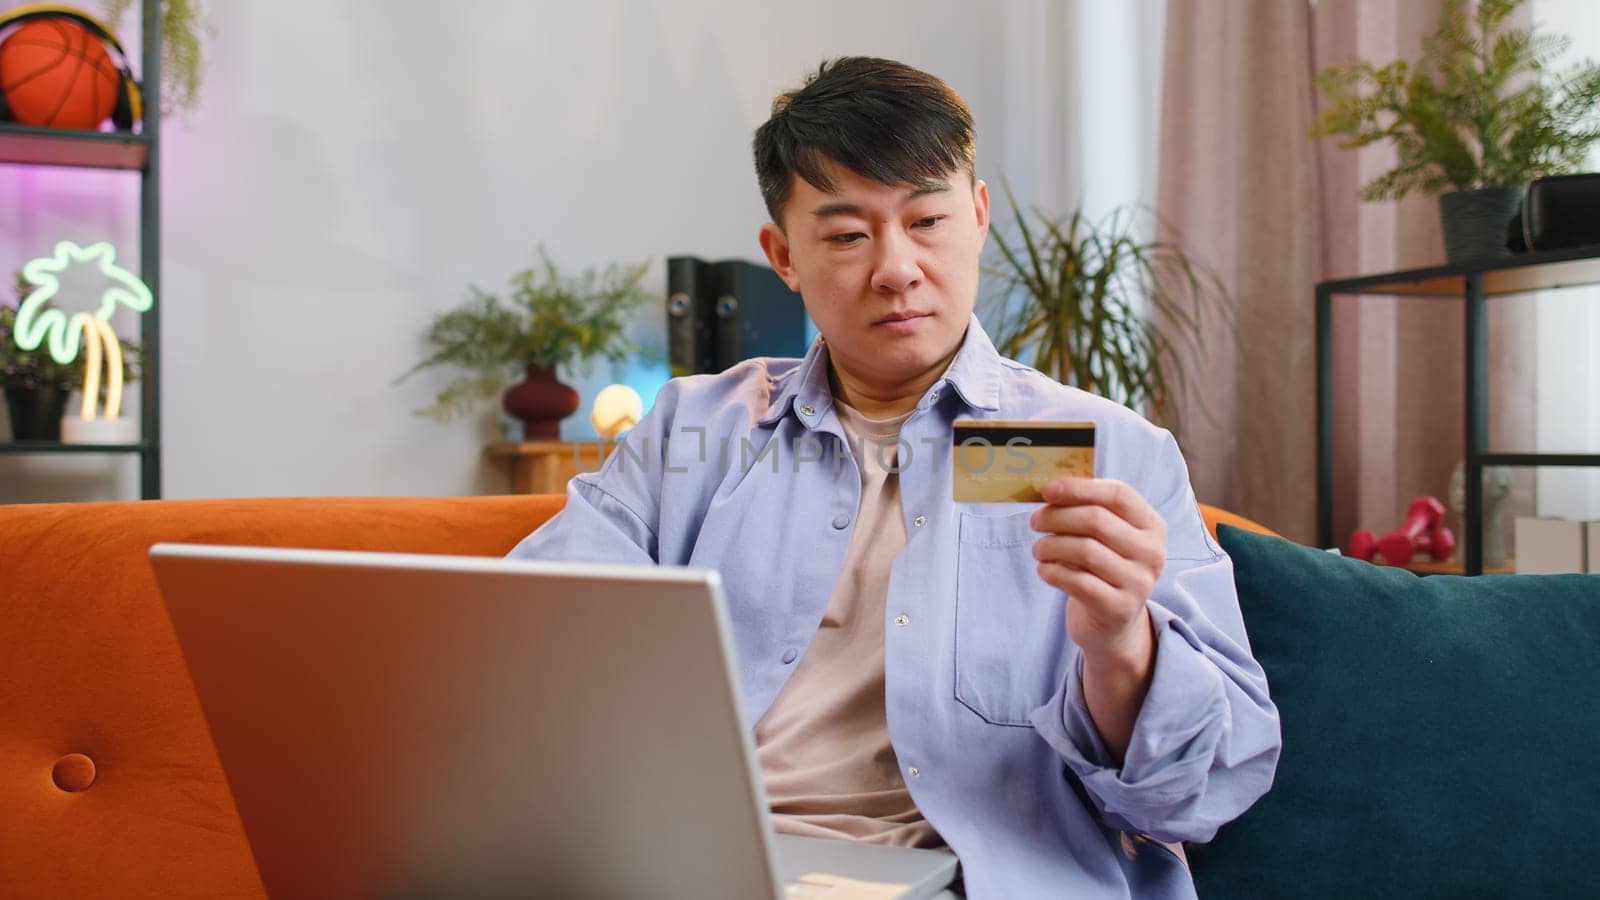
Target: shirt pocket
{"x": 1010, "y": 641}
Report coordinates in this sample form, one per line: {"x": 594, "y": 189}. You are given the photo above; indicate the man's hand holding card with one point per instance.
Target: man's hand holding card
{"x": 1103, "y": 545}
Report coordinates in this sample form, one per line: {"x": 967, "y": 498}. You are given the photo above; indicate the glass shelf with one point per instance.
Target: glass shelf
{"x": 26, "y": 145}
{"x": 59, "y": 447}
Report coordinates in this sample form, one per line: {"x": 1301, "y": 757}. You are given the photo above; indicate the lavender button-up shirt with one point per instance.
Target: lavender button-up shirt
{"x": 746, "y": 472}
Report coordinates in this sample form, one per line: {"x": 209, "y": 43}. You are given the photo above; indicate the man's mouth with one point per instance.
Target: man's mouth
{"x": 904, "y": 324}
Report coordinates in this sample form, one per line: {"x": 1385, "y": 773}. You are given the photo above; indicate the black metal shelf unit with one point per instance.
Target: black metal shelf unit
{"x": 141, "y": 152}
{"x": 1474, "y": 283}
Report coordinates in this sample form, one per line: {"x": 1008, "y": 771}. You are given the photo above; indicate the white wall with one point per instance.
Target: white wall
{"x": 356, "y": 163}
{"x": 1567, "y": 329}
{"x": 1119, "y": 87}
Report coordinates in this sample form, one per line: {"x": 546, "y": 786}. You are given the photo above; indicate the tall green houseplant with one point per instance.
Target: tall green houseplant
{"x": 1480, "y": 111}
{"x": 1081, "y": 302}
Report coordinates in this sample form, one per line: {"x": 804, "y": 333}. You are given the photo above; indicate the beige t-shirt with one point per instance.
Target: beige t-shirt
{"x": 824, "y": 743}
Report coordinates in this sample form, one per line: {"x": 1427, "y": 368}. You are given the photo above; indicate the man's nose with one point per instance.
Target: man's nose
{"x": 896, "y": 270}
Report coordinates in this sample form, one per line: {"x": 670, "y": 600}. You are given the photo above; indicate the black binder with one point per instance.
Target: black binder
{"x": 721, "y": 313}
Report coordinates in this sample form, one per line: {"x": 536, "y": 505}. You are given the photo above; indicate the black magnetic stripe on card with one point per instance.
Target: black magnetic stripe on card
{"x": 1031, "y": 437}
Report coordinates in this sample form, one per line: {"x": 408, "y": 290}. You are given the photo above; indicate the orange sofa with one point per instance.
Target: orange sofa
{"x": 109, "y": 786}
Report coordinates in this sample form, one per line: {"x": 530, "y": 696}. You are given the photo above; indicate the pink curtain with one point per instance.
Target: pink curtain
{"x": 1245, "y": 190}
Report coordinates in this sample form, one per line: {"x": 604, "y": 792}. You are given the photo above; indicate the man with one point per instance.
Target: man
{"x": 1051, "y": 691}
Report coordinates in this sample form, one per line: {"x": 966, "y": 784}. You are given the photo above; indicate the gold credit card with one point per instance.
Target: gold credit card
{"x": 1010, "y": 461}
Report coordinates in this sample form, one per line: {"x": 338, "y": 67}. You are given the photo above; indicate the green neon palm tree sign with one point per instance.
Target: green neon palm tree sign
{"x": 36, "y": 323}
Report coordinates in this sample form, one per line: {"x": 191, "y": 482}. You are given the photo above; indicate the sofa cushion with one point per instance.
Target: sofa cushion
{"x": 1441, "y": 735}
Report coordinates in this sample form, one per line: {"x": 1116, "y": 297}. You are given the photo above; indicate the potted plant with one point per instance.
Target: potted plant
{"x": 183, "y": 34}
{"x": 1474, "y": 120}
{"x": 36, "y": 386}
{"x": 546, "y": 320}
{"x": 1080, "y": 301}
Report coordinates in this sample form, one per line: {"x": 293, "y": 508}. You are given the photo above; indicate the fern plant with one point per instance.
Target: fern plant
{"x": 545, "y": 319}
{"x": 1091, "y": 295}
{"x": 1479, "y": 109}
{"x": 184, "y": 30}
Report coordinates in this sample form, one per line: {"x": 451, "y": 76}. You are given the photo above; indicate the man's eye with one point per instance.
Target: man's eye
{"x": 846, "y": 239}
{"x": 929, "y": 222}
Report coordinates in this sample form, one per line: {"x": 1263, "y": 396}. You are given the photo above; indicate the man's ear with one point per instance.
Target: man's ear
{"x": 980, "y": 199}
{"x": 775, "y": 244}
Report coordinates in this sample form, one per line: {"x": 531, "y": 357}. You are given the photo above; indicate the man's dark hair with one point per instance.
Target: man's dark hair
{"x": 879, "y": 118}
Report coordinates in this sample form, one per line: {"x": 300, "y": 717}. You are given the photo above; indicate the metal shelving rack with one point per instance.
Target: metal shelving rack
{"x": 1473, "y": 283}
{"x": 141, "y": 152}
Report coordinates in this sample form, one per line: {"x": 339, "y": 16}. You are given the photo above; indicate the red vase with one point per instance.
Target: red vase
{"x": 541, "y": 402}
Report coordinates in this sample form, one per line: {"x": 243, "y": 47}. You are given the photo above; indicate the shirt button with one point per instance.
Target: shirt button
{"x": 789, "y": 655}
{"x": 902, "y": 620}
{"x": 808, "y": 409}
{"x": 920, "y": 521}
{"x": 914, "y": 772}
{"x": 840, "y": 521}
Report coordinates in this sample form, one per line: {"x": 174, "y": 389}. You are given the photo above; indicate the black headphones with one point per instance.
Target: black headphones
{"x": 130, "y": 101}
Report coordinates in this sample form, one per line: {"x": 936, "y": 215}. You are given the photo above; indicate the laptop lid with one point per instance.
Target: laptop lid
{"x": 425, "y": 726}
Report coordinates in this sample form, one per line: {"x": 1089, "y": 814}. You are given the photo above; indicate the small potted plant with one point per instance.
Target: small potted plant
{"x": 1080, "y": 301}
{"x": 36, "y": 386}
{"x": 546, "y": 320}
{"x": 1473, "y": 121}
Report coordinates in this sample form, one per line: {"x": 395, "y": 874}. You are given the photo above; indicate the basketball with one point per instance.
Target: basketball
{"x": 55, "y": 72}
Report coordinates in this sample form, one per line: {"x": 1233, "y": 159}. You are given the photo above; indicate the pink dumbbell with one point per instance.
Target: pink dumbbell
{"x": 1422, "y": 532}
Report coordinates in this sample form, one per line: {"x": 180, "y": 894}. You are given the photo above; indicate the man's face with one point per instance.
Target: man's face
{"x": 888, "y": 273}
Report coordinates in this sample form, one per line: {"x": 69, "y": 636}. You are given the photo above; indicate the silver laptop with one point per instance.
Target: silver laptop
{"x": 411, "y": 726}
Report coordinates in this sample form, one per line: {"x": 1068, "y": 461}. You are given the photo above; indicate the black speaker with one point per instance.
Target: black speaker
{"x": 719, "y": 313}
{"x": 757, "y": 315}
{"x": 1561, "y": 211}
{"x": 691, "y": 299}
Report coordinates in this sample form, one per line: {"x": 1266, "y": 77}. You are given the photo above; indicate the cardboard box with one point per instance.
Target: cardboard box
{"x": 1550, "y": 546}
{"x": 1593, "y": 528}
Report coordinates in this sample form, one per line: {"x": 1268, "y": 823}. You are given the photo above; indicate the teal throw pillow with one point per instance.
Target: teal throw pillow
{"x": 1441, "y": 735}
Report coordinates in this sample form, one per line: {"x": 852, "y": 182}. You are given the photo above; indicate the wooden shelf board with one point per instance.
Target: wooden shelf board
{"x": 1518, "y": 274}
